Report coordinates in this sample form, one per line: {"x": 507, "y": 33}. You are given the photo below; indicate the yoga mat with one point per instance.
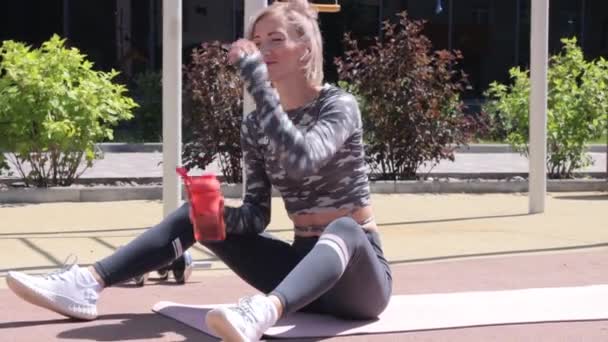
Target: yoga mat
{"x": 433, "y": 311}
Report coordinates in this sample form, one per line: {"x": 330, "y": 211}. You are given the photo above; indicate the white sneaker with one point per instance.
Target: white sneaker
{"x": 65, "y": 291}
{"x": 247, "y": 321}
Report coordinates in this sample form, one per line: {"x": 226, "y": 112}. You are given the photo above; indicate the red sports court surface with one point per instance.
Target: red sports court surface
{"x": 125, "y": 312}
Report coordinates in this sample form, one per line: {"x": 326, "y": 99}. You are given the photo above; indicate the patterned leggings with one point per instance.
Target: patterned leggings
{"x": 342, "y": 273}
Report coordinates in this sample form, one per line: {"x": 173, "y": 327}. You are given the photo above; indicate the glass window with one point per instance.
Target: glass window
{"x": 362, "y": 19}
{"x": 486, "y": 31}
{"x": 437, "y": 16}
{"x": 565, "y": 20}
{"x": 359, "y": 17}
{"x": 483, "y": 30}
{"x": 595, "y": 28}
{"x": 19, "y": 20}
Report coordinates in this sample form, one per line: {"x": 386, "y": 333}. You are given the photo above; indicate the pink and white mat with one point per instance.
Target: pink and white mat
{"x": 433, "y": 311}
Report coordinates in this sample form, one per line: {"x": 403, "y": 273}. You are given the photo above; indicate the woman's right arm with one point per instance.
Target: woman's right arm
{"x": 253, "y": 216}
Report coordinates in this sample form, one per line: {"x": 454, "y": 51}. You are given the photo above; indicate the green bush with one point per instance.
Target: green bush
{"x": 213, "y": 95}
{"x": 54, "y": 108}
{"x": 410, "y": 97}
{"x": 576, "y": 114}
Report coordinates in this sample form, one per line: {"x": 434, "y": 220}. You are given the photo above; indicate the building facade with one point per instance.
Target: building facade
{"x": 493, "y": 35}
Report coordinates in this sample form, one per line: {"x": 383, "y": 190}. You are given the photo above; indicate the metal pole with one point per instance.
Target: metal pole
{"x": 172, "y": 103}
{"x": 251, "y": 8}
{"x": 539, "y": 53}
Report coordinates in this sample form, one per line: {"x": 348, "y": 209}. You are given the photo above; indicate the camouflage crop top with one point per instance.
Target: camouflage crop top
{"x": 312, "y": 155}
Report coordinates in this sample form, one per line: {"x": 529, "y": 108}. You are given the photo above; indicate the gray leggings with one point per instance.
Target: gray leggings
{"x": 342, "y": 273}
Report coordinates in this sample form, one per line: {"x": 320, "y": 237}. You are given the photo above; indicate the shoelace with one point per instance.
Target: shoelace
{"x": 60, "y": 273}
{"x": 246, "y": 310}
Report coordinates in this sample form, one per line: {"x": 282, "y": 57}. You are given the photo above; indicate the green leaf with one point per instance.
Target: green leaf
{"x": 576, "y": 112}
{"x": 56, "y": 102}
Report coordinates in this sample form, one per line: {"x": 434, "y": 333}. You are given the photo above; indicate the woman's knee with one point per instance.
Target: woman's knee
{"x": 346, "y": 234}
{"x": 347, "y": 229}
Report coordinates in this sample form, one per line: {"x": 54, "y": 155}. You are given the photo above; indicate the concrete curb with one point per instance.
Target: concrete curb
{"x": 130, "y": 147}
{"x": 503, "y": 148}
{"x": 154, "y": 192}
{"x": 91, "y": 194}
{"x": 472, "y": 148}
{"x": 491, "y": 186}
{"x": 457, "y": 176}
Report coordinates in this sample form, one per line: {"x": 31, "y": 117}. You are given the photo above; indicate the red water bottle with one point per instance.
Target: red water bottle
{"x": 206, "y": 206}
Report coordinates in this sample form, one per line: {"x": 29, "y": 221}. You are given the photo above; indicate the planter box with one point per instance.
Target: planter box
{"x": 154, "y": 192}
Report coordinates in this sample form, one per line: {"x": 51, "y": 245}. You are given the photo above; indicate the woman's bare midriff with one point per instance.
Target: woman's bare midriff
{"x": 313, "y": 224}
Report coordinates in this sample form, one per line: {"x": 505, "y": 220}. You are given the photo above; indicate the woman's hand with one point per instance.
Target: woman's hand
{"x": 241, "y": 48}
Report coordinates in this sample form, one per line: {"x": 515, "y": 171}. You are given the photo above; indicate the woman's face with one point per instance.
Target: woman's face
{"x": 280, "y": 47}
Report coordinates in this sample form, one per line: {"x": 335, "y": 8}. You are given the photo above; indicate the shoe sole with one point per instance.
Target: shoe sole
{"x": 219, "y": 324}
{"x": 45, "y": 299}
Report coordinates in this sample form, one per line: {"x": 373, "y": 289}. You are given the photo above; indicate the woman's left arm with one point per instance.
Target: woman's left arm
{"x": 300, "y": 154}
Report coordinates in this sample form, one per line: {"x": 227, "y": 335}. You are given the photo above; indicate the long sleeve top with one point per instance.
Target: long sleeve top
{"x": 313, "y": 155}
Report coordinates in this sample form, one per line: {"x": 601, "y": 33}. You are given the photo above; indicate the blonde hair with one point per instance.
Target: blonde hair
{"x": 303, "y": 17}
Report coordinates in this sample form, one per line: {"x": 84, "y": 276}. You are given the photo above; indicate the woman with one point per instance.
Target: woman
{"x": 305, "y": 139}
